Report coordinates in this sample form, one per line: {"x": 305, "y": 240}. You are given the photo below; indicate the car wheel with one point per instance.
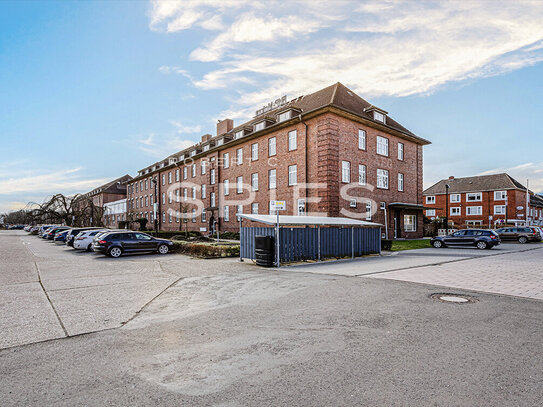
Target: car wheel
{"x": 523, "y": 239}
{"x": 482, "y": 245}
{"x": 115, "y": 252}
{"x": 163, "y": 249}
{"x": 437, "y": 244}
{"x": 89, "y": 247}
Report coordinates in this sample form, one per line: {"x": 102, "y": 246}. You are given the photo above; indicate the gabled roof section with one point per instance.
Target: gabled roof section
{"x": 493, "y": 182}
{"x": 116, "y": 186}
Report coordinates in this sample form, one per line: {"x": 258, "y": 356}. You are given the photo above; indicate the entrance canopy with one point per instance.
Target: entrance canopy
{"x": 288, "y": 220}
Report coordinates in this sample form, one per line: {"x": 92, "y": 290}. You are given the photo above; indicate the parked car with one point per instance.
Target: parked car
{"x": 43, "y": 228}
{"x": 520, "y": 234}
{"x": 60, "y": 236}
{"x": 116, "y": 243}
{"x": 83, "y": 240}
{"x": 479, "y": 238}
{"x": 72, "y": 233}
{"x": 50, "y": 234}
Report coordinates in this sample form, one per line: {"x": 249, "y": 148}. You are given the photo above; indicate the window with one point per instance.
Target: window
{"x": 226, "y": 213}
{"x": 254, "y": 208}
{"x": 362, "y": 139}
{"x": 194, "y": 215}
{"x": 499, "y": 209}
{"x": 226, "y": 160}
{"x": 176, "y": 177}
{"x": 292, "y": 142}
{"x": 170, "y": 177}
{"x": 284, "y": 116}
{"x": 272, "y": 179}
{"x": 163, "y": 217}
{"x": 430, "y": 212}
{"x": 272, "y": 144}
{"x": 203, "y": 165}
{"x": 260, "y": 126}
{"x": 203, "y": 189}
{"x": 400, "y": 151}
{"x": 254, "y": 182}
{"x": 254, "y": 152}
{"x": 430, "y": 199}
{"x": 301, "y": 207}
{"x": 292, "y": 175}
{"x": 146, "y": 200}
{"x": 239, "y": 185}
{"x": 170, "y": 217}
{"x": 163, "y": 197}
{"x": 368, "y": 210}
{"x": 240, "y": 156}
{"x": 212, "y": 199}
{"x": 212, "y": 176}
{"x": 400, "y": 182}
{"x": 361, "y": 174}
{"x": 185, "y": 195}
{"x": 500, "y": 195}
{"x": 226, "y": 187}
{"x": 220, "y": 142}
{"x": 345, "y": 171}
{"x": 193, "y": 193}
{"x": 352, "y": 203}
{"x": 382, "y": 179}
{"x": 169, "y": 196}
{"x": 238, "y": 134}
{"x": 176, "y": 195}
{"x": 203, "y": 215}
{"x": 239, "y": 210}
{"x": 455, "y": 198}
{"x": 184, "y": 172}
{"x": 206, "y": 147}
{"x": 146, "y": 184}
{"x": 410, "y": 223}
{"x": 474, "y": 197}
{"x": 163, "y": 179}
{"x": 456, "y": 211}
{"x": 193, "y": 170}
{"x": 382, "y": 146}
{"x": 474, "y": 210}
{"x": 474, "y": 222}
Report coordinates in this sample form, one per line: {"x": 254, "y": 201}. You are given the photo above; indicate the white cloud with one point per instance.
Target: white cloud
{"x": 180, "y": 128}
{"x": 533, "y": 172}
{"x": 64, "y": 181}
{"x": 164, "y": 145}
{"x": 396, "y": 48}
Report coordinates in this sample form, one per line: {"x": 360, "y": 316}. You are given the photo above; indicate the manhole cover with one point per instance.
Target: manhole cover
{"x": 453, "y": 298}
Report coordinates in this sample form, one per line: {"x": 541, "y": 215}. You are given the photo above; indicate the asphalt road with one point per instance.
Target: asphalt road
{"x": 235, "y": 335}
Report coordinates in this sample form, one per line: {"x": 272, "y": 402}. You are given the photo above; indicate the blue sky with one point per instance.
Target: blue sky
{"x": 93, "y": 90}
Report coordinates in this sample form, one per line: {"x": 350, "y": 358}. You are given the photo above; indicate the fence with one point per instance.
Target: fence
{"x": 303, "y": 243}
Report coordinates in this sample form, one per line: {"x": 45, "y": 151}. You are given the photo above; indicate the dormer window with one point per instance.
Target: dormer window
{"x": 238, "y": 134}
{"x": 172, "y": 160}
{"x": 380, "y": 117}
{"x": 193, "y": 153}
{"x": 220, "y": 142}
{"x": 206, "y": 147}
{"x": 284, "y": 116}
{"x": 260, "y": 126}
{"x": 181, "y": 157}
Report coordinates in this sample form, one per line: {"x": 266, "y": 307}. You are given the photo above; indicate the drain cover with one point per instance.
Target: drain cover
{"x": 453, "y": 298}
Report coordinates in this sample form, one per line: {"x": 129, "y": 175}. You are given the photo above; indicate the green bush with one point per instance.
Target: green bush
{"x": 229, "y": 235}
{"x": 206, "y": 250}
{"x": 386, "y": 244}
{"x": 168, "y": 235}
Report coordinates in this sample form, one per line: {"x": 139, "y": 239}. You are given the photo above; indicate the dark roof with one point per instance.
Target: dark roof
{"x": 494, "y": 182}
{"x": 536, "y": 200}
{"x": 117, "y": 186}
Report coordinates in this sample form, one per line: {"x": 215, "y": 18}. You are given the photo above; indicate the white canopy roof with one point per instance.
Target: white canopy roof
{"x": 307, "y": 220}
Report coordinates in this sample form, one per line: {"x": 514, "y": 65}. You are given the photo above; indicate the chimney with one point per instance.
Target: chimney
{"x": 451, "y": 177}
{"x": 206, "y": 137}
{"x": 224, "y": 126}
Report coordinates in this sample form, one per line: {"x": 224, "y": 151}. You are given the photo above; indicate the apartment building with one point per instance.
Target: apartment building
{"x": 109, "y": 192}
{"x": 114, "y": 213}
{"x": 493, "y": 200}
{"x": 329, "y": 153}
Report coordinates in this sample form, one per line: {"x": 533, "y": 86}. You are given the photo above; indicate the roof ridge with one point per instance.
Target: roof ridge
{"x": 333, "y": 98}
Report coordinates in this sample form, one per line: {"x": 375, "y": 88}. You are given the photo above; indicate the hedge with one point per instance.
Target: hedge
{"x": 169, "y": 235}
{"x": 206, "y": 250}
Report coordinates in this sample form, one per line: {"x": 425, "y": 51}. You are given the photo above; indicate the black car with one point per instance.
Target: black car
{"x": 50, "y": 234}
{"x": 116, "y": 243}
{"x": 479, "y": 238}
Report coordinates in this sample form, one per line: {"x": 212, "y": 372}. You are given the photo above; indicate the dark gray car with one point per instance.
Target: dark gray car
{"x": 479, "y": 238}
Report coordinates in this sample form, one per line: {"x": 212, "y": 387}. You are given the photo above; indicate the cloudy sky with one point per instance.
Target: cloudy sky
{"x": 93, "y": 90}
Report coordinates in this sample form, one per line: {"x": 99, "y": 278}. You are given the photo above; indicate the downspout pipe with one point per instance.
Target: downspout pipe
{"x": 305, "y": 163}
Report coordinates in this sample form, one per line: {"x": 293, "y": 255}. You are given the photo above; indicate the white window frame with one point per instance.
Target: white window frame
{"x": 226, "y": 187}
{"x": 254, "y": 151}
{"x": 292, "y": 175}
{"x": 400, "y": 151}
{"x": 193, "y": 193}
{"x": 454, "y": 198}
{"x": 500, "y": 195}
{"x": 430, "y": 212}
{"x": 254, "y": 208}
{"x": 184, "y": 172}
{"x": 431, "y": 199}
{"x": 203, "y": 190}
{"x": 260, "y": 126}
{"x": 361, "y": 139}
{"x": 410, "y": 226}
{"x": 272, "y": 146}
{"x": 193, "y": 170}
{"x": 478, "y": 196}
{"x": 361, "y": 174}
{"x": 239, "y": 184}
{"x": 382, "y": 146}
{"x": 292, "y": 140}
{"x": 400, "y": 182}
{"x": 203, "y": 166}
{"x": 212, "y": 200}
{"x": 479, "y": 210}
{"x": 226, "y": 160}
{"x": 499, "y": 209}
{"x": 212, "y": 176}
{"x": 368, "y": 210}
{"x": 272, "y": 176}
{"x": 226, "y": 213}
{"x": 239, "y": 156}
{"x": 455, "y": 211}
{"x": 345, "y": 172}
{"x": 382, "y": 178}
{"x": 284, "y": 116}
{"x": 254, "y": 181}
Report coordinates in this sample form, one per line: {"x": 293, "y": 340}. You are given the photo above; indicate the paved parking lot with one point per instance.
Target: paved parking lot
{"x": 221, "y": 333}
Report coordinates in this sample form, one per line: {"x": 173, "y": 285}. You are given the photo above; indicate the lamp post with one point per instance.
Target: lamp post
{"x": 155, "y": 204}
{"x": 447, "y": 209}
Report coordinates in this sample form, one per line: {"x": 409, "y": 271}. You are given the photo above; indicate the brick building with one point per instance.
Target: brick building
{"x": 483, "y": 200}
{"x": 330, "y": 153}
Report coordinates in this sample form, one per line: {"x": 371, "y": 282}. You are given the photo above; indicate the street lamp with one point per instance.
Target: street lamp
{"x": 155, "y": 204}
{"x": 447, "y": 186}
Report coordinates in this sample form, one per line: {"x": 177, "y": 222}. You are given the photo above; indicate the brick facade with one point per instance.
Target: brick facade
{"x": 320, "y": 142}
